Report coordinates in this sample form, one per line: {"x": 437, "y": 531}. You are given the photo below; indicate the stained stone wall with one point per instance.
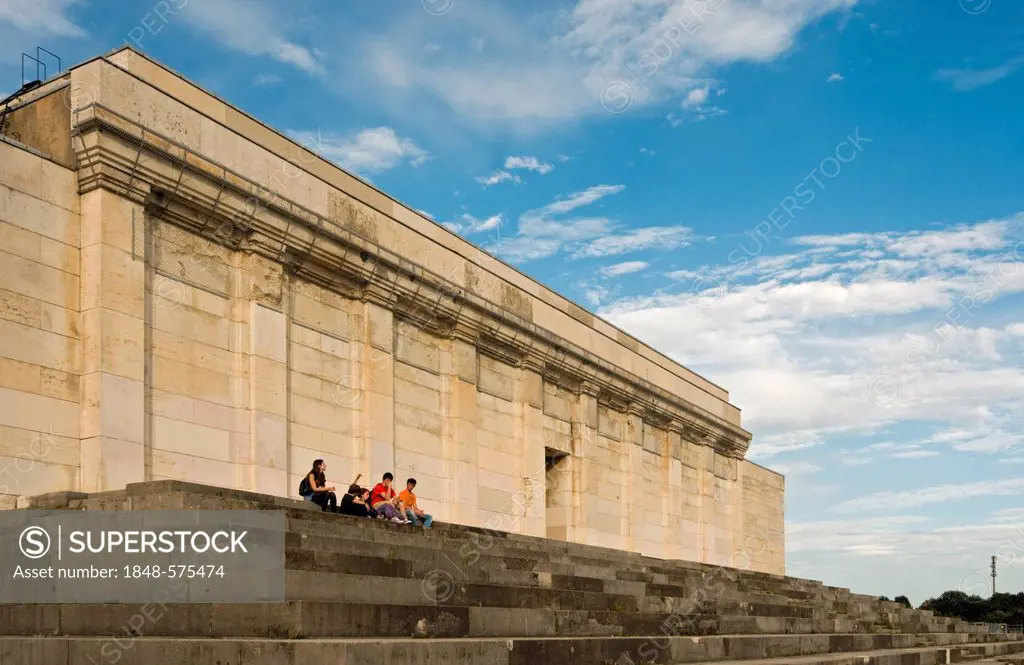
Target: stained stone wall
{"x": 192, "y": 296}
{"x": 41, "y": 310}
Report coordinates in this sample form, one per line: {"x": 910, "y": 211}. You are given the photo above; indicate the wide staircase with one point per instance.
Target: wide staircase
{"x": 367, "y": 592}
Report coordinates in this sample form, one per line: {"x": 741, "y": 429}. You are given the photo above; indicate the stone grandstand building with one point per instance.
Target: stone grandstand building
{"x": 187, "y": 294}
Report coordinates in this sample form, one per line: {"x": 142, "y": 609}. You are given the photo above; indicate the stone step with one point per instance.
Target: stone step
{"x": 778, "y": 650}
{"x": 338, "y": 587}
{"x": 419, "y": 558}
{"x": 328, "y": 619}
{"x": 301, "y": 619}
{"x": 483, "y": 540}
{"x": 321, "y": 585}
{"x": 362, "y": 546}
{"x": 397, "y": 540}
{"x": 355, "y": 561}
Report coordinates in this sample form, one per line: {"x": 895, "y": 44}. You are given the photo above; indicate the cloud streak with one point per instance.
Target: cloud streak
{"x": 928, "y": 495}
{"x": 501, "y": 68}
{"x": 369, "y": 150}
{"x": 252, "y": 27}
{"x": 966, "y": 79}
{"x": 42, "y": 17}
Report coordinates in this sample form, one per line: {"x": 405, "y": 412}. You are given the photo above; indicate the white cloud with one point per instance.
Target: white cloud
{"x": 634, "y": 240}
{"x": 1015, "y": 329}
{"x": 470, "y": 224}
{"x": 928, "y": 495}
{"x": 647, "y": 151}
{"x": 696, "y": 107}
{"x": 41, "y": 17}
{"x": 965, "y": 79}
{"x": 915, "y": 454}
{"x": 835, "y": 77}
{"x": 696, "y": 97}
{"x": 595, "y": 293}
{"x": 518, "y": 249}
{"x": 543, "y": 231}
{"x": 524, "y": 163}
{"x": 984, "y": 236}
{"x": 994, "y": 441}
{"x": 252, "y": 27}
{"x": 529, "y": 164}
{"x": 769, "y": 445}
{"x": 794, "y": 469}
{"x": 908, "y": 554}
{"x": 366, "y": 151}
{"x": 548, "y": 221}
{"x": 550, "y": 65}
{"x": 624, "y": 268}
{"x": 266, "y": 80}
{"x": 811, "y": 333}
{"x": 582, "y": 198}
{"x": 862, "y": 535}
{"x": 498, "y": 177}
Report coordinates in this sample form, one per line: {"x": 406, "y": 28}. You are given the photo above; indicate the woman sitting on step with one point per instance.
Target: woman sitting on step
{"x": 314, "y": 488}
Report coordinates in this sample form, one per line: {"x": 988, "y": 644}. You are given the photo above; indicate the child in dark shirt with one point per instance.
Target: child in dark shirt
{"x": 357, "y": 503}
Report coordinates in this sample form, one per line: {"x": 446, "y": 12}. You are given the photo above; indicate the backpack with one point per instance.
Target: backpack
{"x": 304, "y": 486}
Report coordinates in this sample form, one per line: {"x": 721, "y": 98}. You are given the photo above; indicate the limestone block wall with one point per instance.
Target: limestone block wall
{"x": 324, "y": 334}
{"x": 40, "y": 325}
{"x": 246, "y": 307}
{"x": 420, "y": 417}
{"x": 197, "y": 414}
{"x": 763, "y": 527}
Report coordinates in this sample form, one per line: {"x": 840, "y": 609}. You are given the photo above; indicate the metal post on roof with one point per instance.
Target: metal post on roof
{"x": 39, "y": 57}
{"x": 39, "y": 63}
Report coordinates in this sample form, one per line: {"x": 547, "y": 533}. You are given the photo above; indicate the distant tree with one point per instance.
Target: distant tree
{"x": 1000, "y": 608}
{"x": 883, "y": 598}
{"x": 904, "y": 600}
{"x": 956, "y": 604}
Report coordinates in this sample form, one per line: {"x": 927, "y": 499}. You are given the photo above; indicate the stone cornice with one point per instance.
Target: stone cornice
{"x": 117, "y": 154}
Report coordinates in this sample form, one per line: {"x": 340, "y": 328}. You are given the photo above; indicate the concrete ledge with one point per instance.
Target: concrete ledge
{"x": 560, "y": 651}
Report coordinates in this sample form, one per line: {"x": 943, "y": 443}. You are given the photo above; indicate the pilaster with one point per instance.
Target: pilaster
{"x": 530, "y": 401}
{"x": 458, "y": 429}
{"x": 114, "y": 309}
{"x": 673, "y": 548}
{"x": 268, "y": 401}
{"x": 374, "y": 394}
{"x": 584, "y": 444}
{"x": 633, "y": 440}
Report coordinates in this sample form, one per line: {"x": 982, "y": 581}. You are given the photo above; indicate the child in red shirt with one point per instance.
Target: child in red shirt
{"x": 385, "y": 502}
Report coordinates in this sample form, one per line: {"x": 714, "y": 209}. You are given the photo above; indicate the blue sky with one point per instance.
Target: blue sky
{"x": 815, "y": 203}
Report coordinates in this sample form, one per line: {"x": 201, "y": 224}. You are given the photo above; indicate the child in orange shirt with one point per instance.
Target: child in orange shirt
{"x": 412, "y": 511}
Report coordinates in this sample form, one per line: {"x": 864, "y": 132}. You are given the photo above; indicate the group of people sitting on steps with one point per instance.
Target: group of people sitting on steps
{"x": 381, "y": 502}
